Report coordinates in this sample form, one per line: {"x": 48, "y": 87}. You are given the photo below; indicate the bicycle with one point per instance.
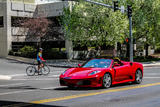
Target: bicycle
{"x": 32, "y": 70}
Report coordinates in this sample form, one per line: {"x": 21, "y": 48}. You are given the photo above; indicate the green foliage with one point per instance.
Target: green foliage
{"x": 100, "y": 25}
{"x": 145, "y": 59}
{"x": 28, "y": 51}
{"x": 157, "y": 49}
{"x": 89, "y": 22}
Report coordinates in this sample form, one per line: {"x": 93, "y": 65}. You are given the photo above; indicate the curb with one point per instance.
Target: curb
{"x": 5, "y": 77}
{"x": 27, "y": 62}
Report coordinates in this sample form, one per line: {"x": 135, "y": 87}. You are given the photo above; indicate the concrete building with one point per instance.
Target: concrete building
{"x": 10, "y": 10}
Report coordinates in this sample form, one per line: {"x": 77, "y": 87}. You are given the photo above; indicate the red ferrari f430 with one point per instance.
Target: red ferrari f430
{"x": 102, "y": 73}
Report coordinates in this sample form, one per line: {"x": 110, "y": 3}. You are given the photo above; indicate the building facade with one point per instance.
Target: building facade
{"x": 10, "y": 10}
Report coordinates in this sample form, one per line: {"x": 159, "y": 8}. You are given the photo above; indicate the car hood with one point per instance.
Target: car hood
{"x": 80, "y": 72}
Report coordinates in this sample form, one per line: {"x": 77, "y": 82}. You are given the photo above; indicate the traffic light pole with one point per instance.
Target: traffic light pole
{"x": 131, "y": 39}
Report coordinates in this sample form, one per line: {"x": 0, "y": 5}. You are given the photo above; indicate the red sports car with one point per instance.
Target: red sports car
{"x": 102, "y": 73}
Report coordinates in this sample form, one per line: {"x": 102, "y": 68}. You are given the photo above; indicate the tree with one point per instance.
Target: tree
{"x": 146, "y": 21}
{"x": 92, "y": 25}
{"x": 35, "y": 28}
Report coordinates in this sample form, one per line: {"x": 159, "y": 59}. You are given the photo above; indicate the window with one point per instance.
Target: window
{"x": 17, "y": 21}
{"x": 1, "y": 21}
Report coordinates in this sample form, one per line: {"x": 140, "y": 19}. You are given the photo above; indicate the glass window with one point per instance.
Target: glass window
{"x": 1, "y": 21}
{"x": 98, "y": 63}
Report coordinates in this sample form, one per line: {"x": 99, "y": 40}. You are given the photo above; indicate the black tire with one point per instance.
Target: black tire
{"x": 30, "y": 70}
{"x": 107, "y": 80}
{"x": 138, "y": 77}
{"x": 45, "y": 70}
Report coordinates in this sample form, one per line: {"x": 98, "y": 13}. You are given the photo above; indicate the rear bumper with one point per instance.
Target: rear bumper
{"x": 89, "y": 82}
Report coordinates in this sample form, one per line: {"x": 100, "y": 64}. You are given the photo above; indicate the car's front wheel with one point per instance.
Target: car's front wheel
{"x": 107, "y": 80}
{"x": 138, "y": 77}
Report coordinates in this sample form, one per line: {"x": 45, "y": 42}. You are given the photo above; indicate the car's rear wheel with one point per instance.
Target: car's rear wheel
{"x": 138, "y": 77}
{"x": 107, "y": 80}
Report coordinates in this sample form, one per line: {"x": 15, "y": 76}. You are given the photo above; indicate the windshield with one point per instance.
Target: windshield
{"x": 97, "y": 63}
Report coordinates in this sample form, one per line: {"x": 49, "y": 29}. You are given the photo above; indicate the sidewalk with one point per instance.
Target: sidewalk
{"x": 65, "y": 63}
{"x": 68, "y": 63}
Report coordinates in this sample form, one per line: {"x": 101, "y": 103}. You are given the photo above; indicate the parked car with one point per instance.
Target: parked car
{"x": 102, "y": 73}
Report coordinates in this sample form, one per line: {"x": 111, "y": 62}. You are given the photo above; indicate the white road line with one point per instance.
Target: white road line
{"x": 11, "y": 84}
{"x": 151, "y": 73}
{"x": 24, "y": 91}
{"x": 5, "y": 77}
{"x": 17, "y": 75}
{"x": 151, "y": 77}
{"x": 150, "y": 67}
{"x": 54, "y": 76}
{"x": 40, "y": 79}
{"x": 49, "y": 88}
{"x": 14, "y": 92}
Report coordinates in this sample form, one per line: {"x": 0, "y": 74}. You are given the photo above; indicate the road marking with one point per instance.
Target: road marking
{"x": 48, "y": 88}
{"x": 39, "y": 79}
{"x": 55, "y": 76}
{"x": 92, "y": 94}
{"x": 14, "y": 92}
{"x": 11, "y": 84}
{"x": 15, "y": 75}
{"x": 5, "y": 77}
{"x": 151, "y": 77}
{"x": 152, "y": 74}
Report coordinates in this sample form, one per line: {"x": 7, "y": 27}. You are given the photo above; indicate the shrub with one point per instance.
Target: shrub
{"x": 28, "y": 51}
{"x": 82, "y": 55}
{"x": 11, "y": 52}
{"x": 54, "y": 53}
{"x": 157, "y": 49}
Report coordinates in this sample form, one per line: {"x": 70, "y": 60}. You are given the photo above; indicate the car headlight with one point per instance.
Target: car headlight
{"x": 94, "y": 72}
{"x": 64, "y": 72}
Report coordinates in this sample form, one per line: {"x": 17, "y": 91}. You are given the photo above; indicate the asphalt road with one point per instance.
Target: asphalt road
{"x": 44, "y": 91}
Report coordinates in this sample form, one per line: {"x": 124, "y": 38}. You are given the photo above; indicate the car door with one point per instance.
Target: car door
{"x": 122, "y": 73}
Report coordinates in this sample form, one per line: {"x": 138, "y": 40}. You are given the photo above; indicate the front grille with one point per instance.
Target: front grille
{"x": 84, "y": 82}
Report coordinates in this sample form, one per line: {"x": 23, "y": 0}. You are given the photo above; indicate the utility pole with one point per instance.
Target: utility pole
{"x": 129, "y": 11}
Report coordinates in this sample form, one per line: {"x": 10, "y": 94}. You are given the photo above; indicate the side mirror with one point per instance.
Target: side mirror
{"x": 79, "y": 65}
{"x": 131, "y": 63}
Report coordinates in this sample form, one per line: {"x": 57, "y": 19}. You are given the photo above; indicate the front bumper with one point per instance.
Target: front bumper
{"x": 89, "y": 82}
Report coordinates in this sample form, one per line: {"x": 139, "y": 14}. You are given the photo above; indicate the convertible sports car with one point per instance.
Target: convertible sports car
{"x": 102, "y": 73}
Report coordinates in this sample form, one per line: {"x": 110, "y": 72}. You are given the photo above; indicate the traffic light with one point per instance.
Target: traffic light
{"x": 129, "y": 11}
{"x": 127, "y": 40}
{"x": 115, "y": 5}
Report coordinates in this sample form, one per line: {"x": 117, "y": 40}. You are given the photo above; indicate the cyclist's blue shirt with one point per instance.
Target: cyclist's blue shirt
{"x": 38, "y": 56}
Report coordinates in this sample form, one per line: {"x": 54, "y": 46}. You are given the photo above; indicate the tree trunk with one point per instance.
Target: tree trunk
{"x": 146, "y": 48}
{"x": 127, "y": 53}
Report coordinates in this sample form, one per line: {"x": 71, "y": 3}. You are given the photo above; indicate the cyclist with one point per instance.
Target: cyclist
{"x": 40, "y": 59}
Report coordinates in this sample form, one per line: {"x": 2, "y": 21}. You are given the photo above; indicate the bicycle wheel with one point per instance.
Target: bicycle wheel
{"x": 30, "y": 70}
{"x": 45, "y": 70}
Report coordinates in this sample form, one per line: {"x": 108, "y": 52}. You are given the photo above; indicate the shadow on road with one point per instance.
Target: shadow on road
{"x": 23, "y": 104}
{"x": 90, "y": 88}
{"x": 77, "y": 88}
{"x": 20, "y": 87}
